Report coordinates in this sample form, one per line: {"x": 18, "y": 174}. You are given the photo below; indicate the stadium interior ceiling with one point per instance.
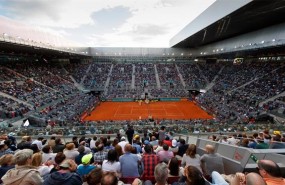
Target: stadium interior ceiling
{"x": 253, "y": 16}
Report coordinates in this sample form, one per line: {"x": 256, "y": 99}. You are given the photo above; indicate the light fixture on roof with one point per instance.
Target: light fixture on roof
{"x": 262, "y": 42}
{"x": 273, "y": 40}
{"x": 182, "y": 54}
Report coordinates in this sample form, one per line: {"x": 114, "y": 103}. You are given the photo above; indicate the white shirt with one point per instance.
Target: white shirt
{"x": 70, "y": 154}
{"x": 47, "y": 157}
{"x": 111, "y": 167}
{"x": 92, "y": 143}
{"x": 123, "y": 144}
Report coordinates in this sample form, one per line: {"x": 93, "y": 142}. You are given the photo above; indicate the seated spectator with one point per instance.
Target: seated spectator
{"x": 51, "y": 142}
{"x": 70, "y": 151}
{"x": 261, "y": 144}
{"x": 94, "y": 177}
{"x": 129, "y": 163}
{"x": 59, "y": 158}
{"x": 161, "y": 174}
{"x": 47, "y": 154}
{"x": 270, "y": 172}
{"x": 23, "y": 173}
{"x": 24, "y": 144}
{"x": 123, "y": 143}
{"x": 65, "y": 175}
{"x": 165, "y": 155}
{"x": 174, "y": 168}
{"x": 137, "y": 146}
{"x": 159, "y": 147}
{"x": 100, "y": 155}
{"x": 6, "y": 163}
{"x": 39, "y": 143}
{"x": 78, "y": 158}
{"x": 112, "y": 163}
{"x": 211, "y": 161}
{"x": 59, "y": 147}
{"x": 182, "y": 148}
{"x": 174, "y": 146}
{"x": 149, "y": 161}
{"x": 194, "y": 176}
{"x": 4, "y": 149}
{"x": 45, "y": 168}
{"x": 191, "y": 158}
{"x": 85, "y": 167}
{"x": 167, "y": 141}
{"x": 119, "y": 150}
{"x": 109, "y": 179}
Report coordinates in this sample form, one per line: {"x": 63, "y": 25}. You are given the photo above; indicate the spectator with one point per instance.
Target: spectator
{"x": 59, "y": 147}
{"x": 92, "y": 142}
{"x": 211, "y": 161}
{"x": 123, "y": 143}
{"x": 112, "y": 163}
{"x": 84, "y": 168}
{"x": 165, "y": 155}
{"x": 194, "y": 176}
{"x": 130, "y": 133}
{"x": 78, "y": 158}
{"x": 191, "y": 158}
{"x": 173, "y": 167}
{"x": 109, "y": 179}
{"x": 47, "y": 154}
{"x": 149, "y": 161}
{"x": 65, "y": 175}
{"x": 70, "y": 151}
{"x": 161, "y": 133}
{"x": 174, "y": 146}
{"x": 44, "y": 169}
{"x": 94, "y": 177}
{"x": 129, "y": 163}
{"x": 39, "y": 143}
{"x": 4, "y": 149}
{"x": 119, "y": 150}
{"x": 161, "y": 174}
{"x": 100, "y": 155}
{"x": 182, "y": 148}
{"x": 23, "y": 173}
{"x": 6, "y": 163}
{"x": 59, "y": 158}
{"x": 75, "y": 141}
{"x": 270, "y": 172}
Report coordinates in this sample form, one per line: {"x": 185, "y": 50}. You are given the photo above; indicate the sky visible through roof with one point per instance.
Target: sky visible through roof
{"x": 106, "y": 23}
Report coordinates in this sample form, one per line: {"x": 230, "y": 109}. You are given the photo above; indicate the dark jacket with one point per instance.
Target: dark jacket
{"x": 58, "y": 148}
{"x": 58, "y": 178}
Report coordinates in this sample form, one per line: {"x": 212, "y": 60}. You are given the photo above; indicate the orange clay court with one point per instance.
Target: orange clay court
{"x": 135, "y": 111}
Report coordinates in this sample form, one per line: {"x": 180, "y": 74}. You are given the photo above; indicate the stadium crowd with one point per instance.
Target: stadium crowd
{"x": 154, "y": 158}
{"x": 235, "y": 96}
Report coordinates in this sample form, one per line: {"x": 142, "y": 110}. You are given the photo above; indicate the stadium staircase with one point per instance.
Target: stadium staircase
{"x": 108, "y": 80}
{"x": 201, "y": 73}
{"x": 272, "y": 98}
{"x": 77, "y": 85}
{"x": 212, "y": 83}
{"x": 15, "y": 99}
{"x": 180, "y": 76}
{"x": 157, "y": 77}
{"x": 87, "y": 72}
{"x": 133, "y": 77}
